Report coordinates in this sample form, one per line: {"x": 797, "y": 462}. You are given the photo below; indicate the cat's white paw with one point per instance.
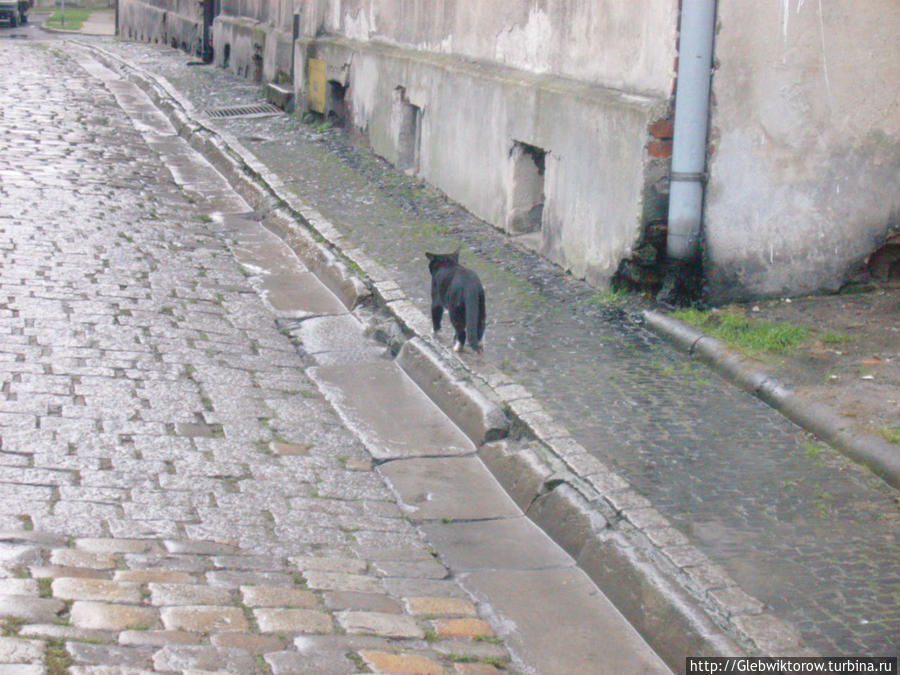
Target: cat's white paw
{"x": 457, "y": 346}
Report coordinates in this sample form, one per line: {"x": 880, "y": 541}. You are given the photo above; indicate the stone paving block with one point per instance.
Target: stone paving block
{"x": 271, "y": 620}
{"x": 16, "y": 650}
{"x": 199, "y": 547}
{"x": 336, "y": 581}
{"x": 158, "y": 638}
{"x": 52, "y": 631}
{"x": 471, "y": 628}
{"x": 255, "y": 644}
{"x": 204, "y": 619}
{"x": 121, "y": 656}
{"x": 103, "y": 590}
{"x": 342, "y": 565}
{"x": 68, "y": 557}
{"x": 277, "y": 596}
{"x": 18, "y": 587}
{"x": 188, "y": 658}
{"x": 400, "y": 664}
{"x": 54, "y": 571}
{"x": 430, "y": 606}
{"x": 30, "y": 608}
{"x": 365, "y": 602}
{"x": 234, "y": 580}
{"x": 471, "y": 649}
{"x": 105, "y": 616}
{"x": 475, "y": 669}
{"x": 323, "y": 654}
{"x": 112, "y": 546}
{"x": 187, "y": 594}
{"x": 12, "y": 555}
{"x": 425, "y": 569}
{"x": 384, "y": 625}
{"x": 23, "y": 669}
{"x": 159, "y": 576}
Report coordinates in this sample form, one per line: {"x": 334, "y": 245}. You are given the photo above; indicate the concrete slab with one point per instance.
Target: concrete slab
{"x": 336, "y": 340}
{"x": 558, "y": 622}
{"x": 452, "y": 488}
{"x": 506, "y": 544}
{"x": 389, "y": 412}
{"x": 293, "y": 292}
{"x": 282, "y": 278}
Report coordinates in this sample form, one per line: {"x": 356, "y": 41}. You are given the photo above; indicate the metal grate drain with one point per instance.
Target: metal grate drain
{"x": 254, "y": 110}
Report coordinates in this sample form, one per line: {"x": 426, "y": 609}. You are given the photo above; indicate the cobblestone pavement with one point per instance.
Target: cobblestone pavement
{"x": 812, "y": 535}
{"x": 175, "y": 494}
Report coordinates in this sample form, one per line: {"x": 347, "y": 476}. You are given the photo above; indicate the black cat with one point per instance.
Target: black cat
{"x": 458, "y": 290}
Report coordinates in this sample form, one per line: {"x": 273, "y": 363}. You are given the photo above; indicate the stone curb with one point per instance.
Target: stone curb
{"x": 879, "y": 455}
{"x": 680, "y": 602}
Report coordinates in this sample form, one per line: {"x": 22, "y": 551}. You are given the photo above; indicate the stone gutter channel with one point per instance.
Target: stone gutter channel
{"x": 680, "y": 602}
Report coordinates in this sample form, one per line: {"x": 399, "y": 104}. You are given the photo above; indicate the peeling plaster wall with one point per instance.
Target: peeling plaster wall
{"x": 623, "y": 45}
{"x": 472, "y": 115}
{"x": 581, "y": 80}
{"x": 805, "y": 166}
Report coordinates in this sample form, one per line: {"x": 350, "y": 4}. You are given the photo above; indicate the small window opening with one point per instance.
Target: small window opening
{"x": 226, "y": 55}
{"x": 335, "y": 104}
{"x": 527, "y": 204}
{"x": 409, "y": 136}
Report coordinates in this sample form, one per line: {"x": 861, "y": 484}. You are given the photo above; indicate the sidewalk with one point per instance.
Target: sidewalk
{"x": 767, "y": 529}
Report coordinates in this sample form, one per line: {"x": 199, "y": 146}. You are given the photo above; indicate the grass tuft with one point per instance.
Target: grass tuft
{"x": 745, "y": 334}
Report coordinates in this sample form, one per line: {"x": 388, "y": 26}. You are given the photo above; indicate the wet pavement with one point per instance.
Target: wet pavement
{"x": 810, "y": 534}
{"x": 183, "y": 488}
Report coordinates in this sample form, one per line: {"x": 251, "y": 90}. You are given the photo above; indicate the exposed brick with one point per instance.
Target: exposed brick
{"x": 657, "y": 148}
{"x": 663, "y": 129}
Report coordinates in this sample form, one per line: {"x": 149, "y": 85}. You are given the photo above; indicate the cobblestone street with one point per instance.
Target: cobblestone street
{"x": 189, "y": 481}
{"x": 806, "y": 532}
{"x": 175, "y": 493}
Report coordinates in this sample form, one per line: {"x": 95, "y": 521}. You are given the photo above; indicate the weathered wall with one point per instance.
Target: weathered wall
{"x": 562, "y": 37}
{"x": 805, "y": 166}
{"x": 487, "y": 79}
{"x": 172, "y": 22}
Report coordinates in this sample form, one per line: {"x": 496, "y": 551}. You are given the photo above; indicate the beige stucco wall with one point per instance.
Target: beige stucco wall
{"x": 623, "y": 45}
{"x": 805, "y": 161}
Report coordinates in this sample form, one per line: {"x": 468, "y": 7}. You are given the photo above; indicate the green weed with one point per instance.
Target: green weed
{"x": 745, "y": 334}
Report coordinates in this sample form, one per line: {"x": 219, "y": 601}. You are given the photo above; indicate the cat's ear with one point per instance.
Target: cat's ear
{"x": 430, "y": 256}
{"x": 455, "y": 254}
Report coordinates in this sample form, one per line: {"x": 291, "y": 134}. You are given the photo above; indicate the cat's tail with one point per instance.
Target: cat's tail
{"x": 475, "y": 315}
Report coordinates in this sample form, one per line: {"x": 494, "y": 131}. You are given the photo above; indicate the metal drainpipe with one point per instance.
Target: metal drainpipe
{"x": 688, "y": 173}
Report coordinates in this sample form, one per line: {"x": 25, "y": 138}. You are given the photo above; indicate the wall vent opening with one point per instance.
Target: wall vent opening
{"x": 409, "y": 136}
{"x": 527, "y": 199}
{"x": 335, "y": 103}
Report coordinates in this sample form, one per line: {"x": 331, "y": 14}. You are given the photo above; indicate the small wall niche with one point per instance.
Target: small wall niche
{"x": 408, "y": 118}
{"x": 526, "y": 204}
{"x": 335, "y": 103}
